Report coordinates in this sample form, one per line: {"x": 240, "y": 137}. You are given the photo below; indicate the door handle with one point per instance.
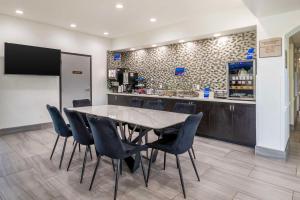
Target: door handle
{"x": 230, "y": 107}
{"x": 233, "y": 108}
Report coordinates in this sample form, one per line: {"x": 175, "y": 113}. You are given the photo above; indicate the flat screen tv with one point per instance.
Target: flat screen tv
{"x": 30, "y": 60}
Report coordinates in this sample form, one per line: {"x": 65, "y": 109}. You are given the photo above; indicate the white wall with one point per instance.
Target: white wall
{"x": 22, "y": 97}
{"x": 240, "y": 18}
{"x": 272, "y": 103}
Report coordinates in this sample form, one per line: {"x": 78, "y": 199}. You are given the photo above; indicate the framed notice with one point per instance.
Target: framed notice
{"x": 270, "y": 48}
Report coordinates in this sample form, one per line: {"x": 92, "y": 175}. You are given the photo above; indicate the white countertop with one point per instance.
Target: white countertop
{"x": 154, "y": 119}
{"x": 188, "y": 98}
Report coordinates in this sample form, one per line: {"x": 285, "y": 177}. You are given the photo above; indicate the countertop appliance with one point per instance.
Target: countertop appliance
{"x": 241, "y": 79}
{"x": 122, "y": 80}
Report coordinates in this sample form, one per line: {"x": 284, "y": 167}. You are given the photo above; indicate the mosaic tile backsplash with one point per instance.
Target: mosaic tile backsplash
{"x": 204, "y": 61}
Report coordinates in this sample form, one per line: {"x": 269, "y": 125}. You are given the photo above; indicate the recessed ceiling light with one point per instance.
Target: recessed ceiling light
{"x": 119, "y": 6}
{"x": 217, "y": 35}
{"x": 106, "y": 33}
{"x": 181, "y": 41}
{"x": 73, "y": 25}
{"x": 19, "y": 12}
{"x": 153, "y": 19}
{"x": 132, "y": 49}
{"x": 154, "y": 45}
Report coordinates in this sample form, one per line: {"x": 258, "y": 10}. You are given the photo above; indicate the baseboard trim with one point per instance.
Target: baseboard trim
{"x": 19, "y": 129}
{"x": 271, "y": 153}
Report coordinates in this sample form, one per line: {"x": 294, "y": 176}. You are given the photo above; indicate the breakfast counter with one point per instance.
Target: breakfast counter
{"x": 188, "y": 98}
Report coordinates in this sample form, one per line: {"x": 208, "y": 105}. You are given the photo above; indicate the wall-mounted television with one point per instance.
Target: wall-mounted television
{"x": 31, "y": 60}
{"x": 179, "y": 71}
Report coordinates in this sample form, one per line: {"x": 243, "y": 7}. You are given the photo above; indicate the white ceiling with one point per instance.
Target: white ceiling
{"x": 99, "y": 16}
{"x": 271, "y": 7}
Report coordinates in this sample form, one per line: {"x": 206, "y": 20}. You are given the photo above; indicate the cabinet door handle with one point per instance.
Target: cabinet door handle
{"x": 233, "y": 108}
{"x": 230, "y": 107}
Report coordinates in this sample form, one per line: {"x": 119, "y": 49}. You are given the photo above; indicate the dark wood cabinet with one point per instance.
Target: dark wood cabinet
{"x": 244, "y": 124}
{"x": 221, "y": 121}
{"x": 205, "y": 125}
{"x": 231, "y": 122}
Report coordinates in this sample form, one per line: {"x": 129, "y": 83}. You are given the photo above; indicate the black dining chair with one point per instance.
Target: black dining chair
{"x": 108, "y": 143}
{"x": 137, "y": 103}
{"x": 81, "y": 135}
{"x": 81, "y": 103}
{"x": 178, "y": 145}
{"x": 61, "y": 128}
{"x": 154, "y": 105}
{"x": 185, "y": 108}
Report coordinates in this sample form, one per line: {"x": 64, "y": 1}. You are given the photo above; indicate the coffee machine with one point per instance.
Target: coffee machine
{"x": 132, "y": 81}
{"x": 122, "y": 80}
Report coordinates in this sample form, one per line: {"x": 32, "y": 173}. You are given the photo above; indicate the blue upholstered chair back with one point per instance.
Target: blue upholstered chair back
{"x": 79, "y": 130}
{"x": 106, "y": 137}
{"x": 154, "y": 105}
{"x": 185, "y": 108}
{"x": 81, "y": 103}
{"x": 185, "y": 137}
{"x": 59, "y": 123}
{"x": 136, "y": 103}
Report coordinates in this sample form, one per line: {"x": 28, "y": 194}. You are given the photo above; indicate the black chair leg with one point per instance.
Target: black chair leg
{"x": 146, "y": 141}
{"x": 193, "y": 152}
{"x": 149, "y": 167}
{"x": 180, "y": 175}
{"x": 194, "y": 165}
{"x": 90, "y": 150}
{"x": 74, "y": 148}
{"x": 165, "y": 158}
{"x": 121, "y": 167}
{"x": 113, "y": 164}
{"x": 143, "y": 169}
{"x": 54, "y": 147}
{"x": 117, "y": 179}
{"x": 63, "y": 153}
{"x": 95, "y": 172}
{"x": 83, "y": 165}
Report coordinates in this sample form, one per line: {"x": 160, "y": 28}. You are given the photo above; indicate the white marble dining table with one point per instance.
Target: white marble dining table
{"x": 154, "y": 119}
{"x": 147, "y": 119}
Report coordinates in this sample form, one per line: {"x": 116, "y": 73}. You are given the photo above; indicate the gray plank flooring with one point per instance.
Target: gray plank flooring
{"x": 227, "y": 171}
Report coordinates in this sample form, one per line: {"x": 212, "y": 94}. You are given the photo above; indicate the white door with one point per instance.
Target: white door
{"x": 75, "y": 78}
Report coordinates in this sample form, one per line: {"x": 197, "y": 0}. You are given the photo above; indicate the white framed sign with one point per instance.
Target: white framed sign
{"x": 270, "y": 48}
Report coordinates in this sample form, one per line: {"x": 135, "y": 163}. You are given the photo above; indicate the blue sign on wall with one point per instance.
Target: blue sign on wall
{"x": 117, "y": 57}
{"x": 250, "y": 54}
{"x": 179, "y": 71}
